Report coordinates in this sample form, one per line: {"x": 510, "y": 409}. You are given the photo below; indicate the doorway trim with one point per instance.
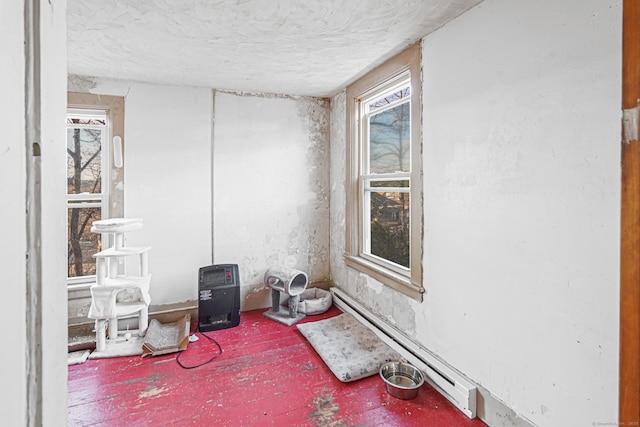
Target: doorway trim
{"x": 629, "y": 385}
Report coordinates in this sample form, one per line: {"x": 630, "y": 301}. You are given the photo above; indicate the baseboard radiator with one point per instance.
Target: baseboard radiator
{"x": 451, "y": 384}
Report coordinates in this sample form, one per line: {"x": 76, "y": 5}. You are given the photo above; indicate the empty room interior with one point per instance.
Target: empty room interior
{"x": 459, "y": 178}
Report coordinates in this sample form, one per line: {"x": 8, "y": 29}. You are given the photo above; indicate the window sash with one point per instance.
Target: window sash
{"x": 366, "y": 247}
{"x": 367, "y": 190}
{"x": 87, "y": 200}
{"x": 364, "y": 136}
{"x": 366, "y": 177}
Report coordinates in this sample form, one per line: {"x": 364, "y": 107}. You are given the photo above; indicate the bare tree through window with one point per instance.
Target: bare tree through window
{"x": 389, "y": 132}
{"x": 84, "y": 192}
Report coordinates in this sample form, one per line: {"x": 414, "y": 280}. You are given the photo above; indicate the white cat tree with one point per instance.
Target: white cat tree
{"x": 118, "y": 292}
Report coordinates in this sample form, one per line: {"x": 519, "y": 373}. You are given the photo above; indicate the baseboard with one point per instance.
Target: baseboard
{"x": 252, "y": 300}
{"x": 496, "y": 413}
{"x": 84, "y": 327}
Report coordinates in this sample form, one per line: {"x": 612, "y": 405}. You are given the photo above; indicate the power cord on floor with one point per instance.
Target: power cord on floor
{"x": 203, "y": 363}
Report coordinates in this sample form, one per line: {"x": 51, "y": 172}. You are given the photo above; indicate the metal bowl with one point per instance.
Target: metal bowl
{"x": 401, "y": 379}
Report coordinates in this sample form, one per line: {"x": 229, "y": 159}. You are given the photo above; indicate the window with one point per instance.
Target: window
{"x": 384, "y": 174}
{"x": 87, "y": 189}
{"x": 95, "y": 187}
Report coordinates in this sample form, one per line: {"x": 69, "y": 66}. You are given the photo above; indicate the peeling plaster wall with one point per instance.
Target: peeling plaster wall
{"x": 521, "y": 184}
{"x": 383, "y": 301}
{"x": 271, "y": 192}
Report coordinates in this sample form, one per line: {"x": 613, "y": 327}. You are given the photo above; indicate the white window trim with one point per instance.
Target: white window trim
{"x": 409, "y": 281}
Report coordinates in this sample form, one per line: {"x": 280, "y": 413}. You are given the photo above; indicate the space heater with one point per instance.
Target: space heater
{"x": 218, "y": 297}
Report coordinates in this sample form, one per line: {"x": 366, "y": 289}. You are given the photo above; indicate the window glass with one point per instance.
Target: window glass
{"x": 390, "y": 136}
{"x": 86, "y": 200}
{"x": 82, "y": 243}
{"x": 84, "y": 160}
{"x": 389, "y": 230}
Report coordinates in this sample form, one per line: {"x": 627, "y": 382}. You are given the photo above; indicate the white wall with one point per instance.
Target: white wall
{"x": 168, "y": 184}
{"x": 521, "y": 183}
{"x": 13, "y": 364}
{"x": 271, "y": 172}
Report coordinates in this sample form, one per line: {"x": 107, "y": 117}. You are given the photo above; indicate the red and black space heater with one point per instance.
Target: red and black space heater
{"x": 218, "y": 297}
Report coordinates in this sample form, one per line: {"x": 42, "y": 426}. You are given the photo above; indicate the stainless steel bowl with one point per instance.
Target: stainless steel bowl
{"x": 401, "y": 379}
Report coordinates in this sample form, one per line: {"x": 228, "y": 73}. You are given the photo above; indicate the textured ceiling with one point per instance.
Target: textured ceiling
{"x": 295, "y": 47}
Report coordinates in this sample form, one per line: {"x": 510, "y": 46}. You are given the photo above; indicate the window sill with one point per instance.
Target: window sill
{"x": 388, "y": 277}
{"x": 79, "y": 290}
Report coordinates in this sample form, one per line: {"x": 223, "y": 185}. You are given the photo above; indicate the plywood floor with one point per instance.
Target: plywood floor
{"x": 268, "y": 374}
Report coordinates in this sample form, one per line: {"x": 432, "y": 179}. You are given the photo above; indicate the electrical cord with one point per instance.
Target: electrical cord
{"x": 203, "y": 363}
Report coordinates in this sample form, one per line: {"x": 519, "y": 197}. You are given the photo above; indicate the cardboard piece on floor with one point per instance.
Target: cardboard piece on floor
{"x": 166, "y": 338}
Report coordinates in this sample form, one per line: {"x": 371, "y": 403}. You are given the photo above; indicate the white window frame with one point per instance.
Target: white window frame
{"x": 365, "y": 176}
{"x": 388, "y": 76}
{"x": 93, "y": 200}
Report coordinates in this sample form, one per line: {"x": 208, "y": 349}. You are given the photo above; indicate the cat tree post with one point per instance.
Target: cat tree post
{"x": 291, "y": 282}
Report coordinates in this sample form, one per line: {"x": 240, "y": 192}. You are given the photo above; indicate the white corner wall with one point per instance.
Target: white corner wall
{"x": 168, "y": 184}
{"x": 521, "y": 160}
{"x": 271, "y": 201}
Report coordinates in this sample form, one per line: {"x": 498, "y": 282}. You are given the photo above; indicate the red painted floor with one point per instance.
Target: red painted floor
{"x": 268, "y": 374}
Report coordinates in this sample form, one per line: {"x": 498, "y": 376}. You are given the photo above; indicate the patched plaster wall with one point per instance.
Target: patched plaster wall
{"x": 271, "y": 187}
{"x": 383, "y": 301}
